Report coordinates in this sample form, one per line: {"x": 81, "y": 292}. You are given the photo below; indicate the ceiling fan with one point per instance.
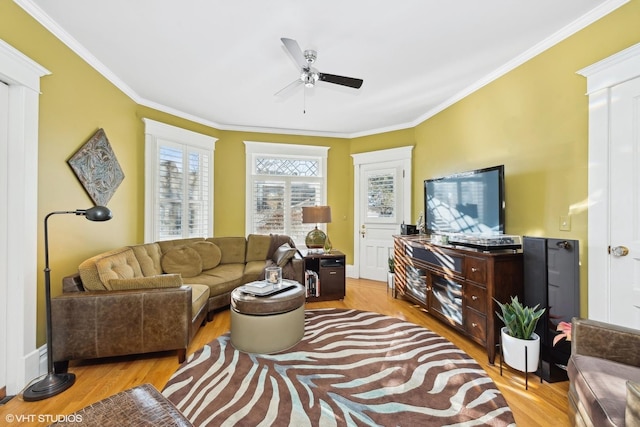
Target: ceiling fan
{"x": 308, "y": 74}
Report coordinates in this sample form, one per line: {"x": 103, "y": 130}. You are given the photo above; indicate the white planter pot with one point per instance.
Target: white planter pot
{"x": 514, "y": 353}
{"x": 391, "y": 280}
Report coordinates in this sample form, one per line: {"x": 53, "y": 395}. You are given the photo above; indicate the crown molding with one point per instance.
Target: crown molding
{"x": 595, "y": 14}
{"x": 560, "y": 35}
{"x": 39, "y": 15}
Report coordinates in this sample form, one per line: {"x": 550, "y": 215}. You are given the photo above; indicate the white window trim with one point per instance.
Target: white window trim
{"x": 254, "y": 149}
{"x": 155, "y": 132}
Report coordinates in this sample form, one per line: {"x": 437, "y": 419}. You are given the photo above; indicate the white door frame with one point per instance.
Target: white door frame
{"x": 601, "y": 77}
{"x": 21, "y": 234}
{"x": 403, "y": 154}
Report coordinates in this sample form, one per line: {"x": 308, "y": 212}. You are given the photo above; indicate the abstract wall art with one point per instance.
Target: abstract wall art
{"x": 97, "y": 168}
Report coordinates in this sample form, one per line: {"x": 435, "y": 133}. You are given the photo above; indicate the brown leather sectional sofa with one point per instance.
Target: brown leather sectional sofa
{"x": 154, "y": 297}
{"x": 604, "y": 375}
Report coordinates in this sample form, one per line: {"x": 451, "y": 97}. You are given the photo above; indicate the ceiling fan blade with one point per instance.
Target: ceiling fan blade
{"x": 341, "y": 80}
{"x": 287, "y": 88}
{"x": 295, "y": 51}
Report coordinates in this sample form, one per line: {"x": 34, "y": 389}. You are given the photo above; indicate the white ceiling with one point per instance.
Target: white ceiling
{"x": 221, "y": 62}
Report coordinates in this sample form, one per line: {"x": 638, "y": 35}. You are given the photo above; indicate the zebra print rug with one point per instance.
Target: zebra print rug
{"x": 352, "y": 368}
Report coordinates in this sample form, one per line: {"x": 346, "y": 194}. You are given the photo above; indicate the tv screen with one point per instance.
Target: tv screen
{"x": 469, "y": 203}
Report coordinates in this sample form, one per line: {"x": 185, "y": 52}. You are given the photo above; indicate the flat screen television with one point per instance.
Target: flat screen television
{"x": 469, "y": 203}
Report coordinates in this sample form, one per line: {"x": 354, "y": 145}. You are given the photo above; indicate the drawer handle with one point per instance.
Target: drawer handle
{"x": 474, "y": 270}
{"x": 473, "y": 297}
{"x": 333, "y": 272}
{"x": 474, "y": 324}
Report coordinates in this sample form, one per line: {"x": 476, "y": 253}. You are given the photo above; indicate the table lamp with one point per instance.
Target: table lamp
{"x": 316, "y": 238}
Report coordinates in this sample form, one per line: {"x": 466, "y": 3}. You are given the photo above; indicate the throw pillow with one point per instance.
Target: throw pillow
{"x": 151, "y": 282}
{"x": 283, "y": 255}
{"x": 210, "y": 254}
{"x": 182, "y": 260}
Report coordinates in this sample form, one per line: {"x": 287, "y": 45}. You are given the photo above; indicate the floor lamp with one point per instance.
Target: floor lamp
{"x": 53, "y": 383}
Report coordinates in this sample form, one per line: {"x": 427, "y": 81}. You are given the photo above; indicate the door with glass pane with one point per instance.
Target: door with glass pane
{"x": 381, "y": 192}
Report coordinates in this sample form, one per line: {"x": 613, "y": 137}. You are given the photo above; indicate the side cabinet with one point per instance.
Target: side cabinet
{"x": 457, "y": 286}
{"x": 330, "y": 271}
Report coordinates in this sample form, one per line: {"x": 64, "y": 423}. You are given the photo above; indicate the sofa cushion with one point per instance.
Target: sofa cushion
{"x": 182, "y": 260}
{"x": 601, "y": 387}
{"x": 283, "y": 254}
{"x": 167, "y": 245}
{"x": 233, "y": 249}
{"x": 149, "y": 256}
{"x": 209, "y": 253}
{"x": 224, "y": 278}
{"x": 199, "y": 297}
{"x": 122, "y": 265}
{"x": 88, "y": 269}
{"x": 151, "y": 282}
{"x": 257, "y": 247}
{"x": 253, "y": 270}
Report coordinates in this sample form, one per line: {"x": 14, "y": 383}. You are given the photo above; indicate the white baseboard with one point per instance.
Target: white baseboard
{"x": 350, "y": 272}
{"x": 30, "y": 369}
{"x": 43, "y": 367}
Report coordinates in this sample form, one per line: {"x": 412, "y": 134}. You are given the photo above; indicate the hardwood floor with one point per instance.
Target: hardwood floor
{"x": 542, "y": 405}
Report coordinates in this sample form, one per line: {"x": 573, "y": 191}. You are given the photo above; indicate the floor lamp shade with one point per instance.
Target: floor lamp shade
{"x": 55, "y": 383}
{"x": 316, "y": 215}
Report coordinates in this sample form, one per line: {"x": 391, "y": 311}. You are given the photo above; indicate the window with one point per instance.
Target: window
{"x": 178, "y": 183}
{"x": 281, "y": 179}
{"x": 381, "y": 196}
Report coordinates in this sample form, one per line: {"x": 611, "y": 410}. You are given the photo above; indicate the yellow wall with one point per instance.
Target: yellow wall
{"x": 533, "y": 120}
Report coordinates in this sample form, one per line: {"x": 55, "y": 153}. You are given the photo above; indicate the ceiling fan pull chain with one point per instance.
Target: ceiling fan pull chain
{"x": 304, "y": 100}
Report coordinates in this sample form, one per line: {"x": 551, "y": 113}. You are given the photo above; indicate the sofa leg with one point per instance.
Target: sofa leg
{"x": 210, "y": 315}
{"x": 61, "y": 367}
{"x": 182, "y": 354}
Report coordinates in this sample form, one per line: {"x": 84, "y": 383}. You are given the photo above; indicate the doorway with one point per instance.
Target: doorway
{"x": 20, "y": 209}
{"x": 614, "y": 188}
{"x": 382, "y": 191}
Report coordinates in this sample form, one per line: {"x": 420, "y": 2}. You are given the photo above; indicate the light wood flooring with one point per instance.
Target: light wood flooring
{"x": 542, "y": 405}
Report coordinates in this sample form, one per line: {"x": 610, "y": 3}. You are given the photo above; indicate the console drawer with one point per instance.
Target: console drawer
{"x": 476, "y": 325}
{"x": 475, "y": 269}
{"x": 475, "y": 297}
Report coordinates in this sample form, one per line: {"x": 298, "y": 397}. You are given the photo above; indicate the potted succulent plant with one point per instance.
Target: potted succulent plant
{"x": 518, "y": 332}
{"x": 391, "y": 273}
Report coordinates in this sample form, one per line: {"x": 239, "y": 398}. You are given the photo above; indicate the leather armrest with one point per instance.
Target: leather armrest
{"x": 88, "y": 325}
{"x": 606, "y": 341}
{"x": 298, "y": 268}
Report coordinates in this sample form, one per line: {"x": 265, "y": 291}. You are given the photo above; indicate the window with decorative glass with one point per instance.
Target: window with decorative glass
{"x": 282, "y": 178}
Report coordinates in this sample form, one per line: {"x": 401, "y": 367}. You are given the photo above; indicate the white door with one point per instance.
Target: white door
{"x": 381, "y": 200}
{"x": 624, "y": 207}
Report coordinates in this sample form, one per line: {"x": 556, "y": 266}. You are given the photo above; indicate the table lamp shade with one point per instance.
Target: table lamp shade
{"x": 316, "y": 215}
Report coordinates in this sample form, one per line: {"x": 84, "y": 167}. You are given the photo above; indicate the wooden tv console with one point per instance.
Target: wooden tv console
{"x": 456, "y": 285}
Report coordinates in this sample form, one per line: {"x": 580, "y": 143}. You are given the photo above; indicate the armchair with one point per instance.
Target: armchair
{"x": 604, "y": 374}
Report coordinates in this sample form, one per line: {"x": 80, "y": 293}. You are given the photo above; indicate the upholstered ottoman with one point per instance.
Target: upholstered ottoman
{"x": 267, "y": 324}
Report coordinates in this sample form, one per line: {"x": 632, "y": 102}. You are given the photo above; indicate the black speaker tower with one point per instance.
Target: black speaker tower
{"x": 552, "y": 279}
